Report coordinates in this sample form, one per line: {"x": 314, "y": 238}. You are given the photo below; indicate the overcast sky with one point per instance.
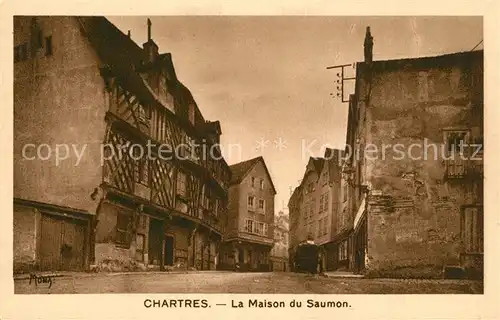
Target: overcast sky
{"x": 266, "y": 77}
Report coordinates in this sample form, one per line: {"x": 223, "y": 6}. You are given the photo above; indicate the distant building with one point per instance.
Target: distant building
{"x": 80, "y": 81}
{"x": 279, "y": 253}
{"x": 418, "y": 212}
{"x": 249, "y": 231}
{"x": 314, "y": 208}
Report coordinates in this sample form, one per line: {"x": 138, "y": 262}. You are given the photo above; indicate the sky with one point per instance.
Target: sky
{"x": 265, "y": 78}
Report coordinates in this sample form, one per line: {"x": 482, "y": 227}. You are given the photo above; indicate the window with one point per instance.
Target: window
{"x": 251, "y": 203}
{"x": 261, "y": 184}
{"x": 345, "y": 192}
{"x": 320, "y": 227}
{"x": 256, "y": 227}
{"x": 187, "y": 150}
{"x": 249, "y": 226}
{"x": 259, "y": 228}
{"x": 122, "y": 224}
{"x": 325, "y": 178}
{"x": 472, "y": 229}
{"x": 313, "y": 207}
{"x": 456, "y": 142}
{"x": 262, "y": 206}
{"x": 142, "y": 171}
{"x": 48, "y": 46}
{"x": 253, "y": 182}
{"x": 181, "y": 184}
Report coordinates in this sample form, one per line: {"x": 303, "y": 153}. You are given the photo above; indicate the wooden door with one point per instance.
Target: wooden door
{"x": 50, "y": 244}
{"x": 62, "y": 244}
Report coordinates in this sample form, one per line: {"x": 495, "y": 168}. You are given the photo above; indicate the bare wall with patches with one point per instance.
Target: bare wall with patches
{"x": 415, "y": 209}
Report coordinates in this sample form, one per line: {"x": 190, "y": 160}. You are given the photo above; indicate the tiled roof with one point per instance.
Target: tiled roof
{"x": 127, "y": 61}
{"x": 241, "y": 169}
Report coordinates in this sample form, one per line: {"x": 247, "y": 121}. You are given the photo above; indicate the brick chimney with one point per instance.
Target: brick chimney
{"x": 368, "y": 46}
{"x": 150, "y": 47}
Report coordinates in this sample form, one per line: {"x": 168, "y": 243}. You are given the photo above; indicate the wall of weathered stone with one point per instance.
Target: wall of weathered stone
{"x": 58, "y": 99}
{"x": 26, "y": 225}
{"x": 414, "y": 210}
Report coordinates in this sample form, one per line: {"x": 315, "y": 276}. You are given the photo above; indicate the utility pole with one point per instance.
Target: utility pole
{"x": 341, "y": 78}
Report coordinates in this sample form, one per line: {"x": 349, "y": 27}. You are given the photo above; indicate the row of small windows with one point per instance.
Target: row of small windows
{"x": 21, "y": 51}
{"x": 261, "y": 183}
{"x": 256, "y": 227}
{"x": 252, "y": 203}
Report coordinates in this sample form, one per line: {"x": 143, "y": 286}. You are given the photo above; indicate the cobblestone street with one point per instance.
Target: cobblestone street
{"x": 228, "y": 282}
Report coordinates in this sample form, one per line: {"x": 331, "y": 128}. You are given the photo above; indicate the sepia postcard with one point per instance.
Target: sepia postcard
{"x": 312, "y": 163}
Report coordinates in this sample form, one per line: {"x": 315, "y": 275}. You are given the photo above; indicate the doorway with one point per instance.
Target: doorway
{"x": 360, "y": 243}
{"x": 169, "y": 251}
{"x": 155, "y": 241}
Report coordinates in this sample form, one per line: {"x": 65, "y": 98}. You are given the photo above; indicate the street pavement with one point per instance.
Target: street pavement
{"x": 231, "y": 282}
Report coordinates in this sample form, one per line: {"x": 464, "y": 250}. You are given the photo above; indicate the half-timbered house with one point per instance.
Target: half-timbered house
{"x": 156, "y": 183}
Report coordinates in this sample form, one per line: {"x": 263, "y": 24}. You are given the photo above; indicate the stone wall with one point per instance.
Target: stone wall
{"x": 59, "y": 99}
{"x": 26, "y": 221}
{"x": 414, "y": 210}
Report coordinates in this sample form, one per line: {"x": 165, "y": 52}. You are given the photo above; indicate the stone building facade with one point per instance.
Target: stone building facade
{"x": 81, "y": 83}
{"x": 249, "y": 230}
{"x": 279, "y": 252}
{"x": 314, "y": 208}
{"x": 417, "y": 185}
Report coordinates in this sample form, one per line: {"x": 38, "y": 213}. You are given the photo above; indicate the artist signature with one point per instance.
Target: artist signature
{"x": 41, "y": 279}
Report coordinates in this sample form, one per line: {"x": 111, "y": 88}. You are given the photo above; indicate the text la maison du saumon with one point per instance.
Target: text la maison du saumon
{"x": 250, "y": 303}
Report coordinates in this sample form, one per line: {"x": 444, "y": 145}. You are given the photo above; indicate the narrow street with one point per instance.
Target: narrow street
{"x": 229, "y": 282}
